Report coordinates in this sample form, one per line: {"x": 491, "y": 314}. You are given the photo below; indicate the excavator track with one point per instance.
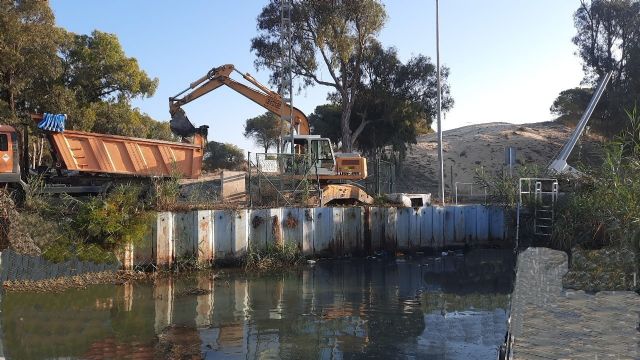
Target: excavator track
{"x": 344, "y": 192}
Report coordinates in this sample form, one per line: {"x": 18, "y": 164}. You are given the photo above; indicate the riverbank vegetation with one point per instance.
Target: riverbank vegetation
{"x": 273, "y": 257}
{"x": 599, "y": 219}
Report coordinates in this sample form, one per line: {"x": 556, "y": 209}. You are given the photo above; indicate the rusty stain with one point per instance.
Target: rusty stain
{"x": 275, "y": 231}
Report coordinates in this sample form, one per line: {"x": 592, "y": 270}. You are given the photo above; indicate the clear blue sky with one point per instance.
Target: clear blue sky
{"x": 508, "y": 58}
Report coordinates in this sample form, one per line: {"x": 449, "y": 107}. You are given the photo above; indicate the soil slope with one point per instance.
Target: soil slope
{"x": 470, "y": 147}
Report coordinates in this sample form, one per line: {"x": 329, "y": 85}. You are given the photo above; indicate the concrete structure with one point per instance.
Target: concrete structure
{"x": 549, "y": 322}
{"x": 209, "y": 235}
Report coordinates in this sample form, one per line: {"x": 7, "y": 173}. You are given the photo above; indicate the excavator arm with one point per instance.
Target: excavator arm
{"x": 220, "y": 76}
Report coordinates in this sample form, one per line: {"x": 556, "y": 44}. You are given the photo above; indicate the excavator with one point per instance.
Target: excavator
{"x": 336, "y": 172}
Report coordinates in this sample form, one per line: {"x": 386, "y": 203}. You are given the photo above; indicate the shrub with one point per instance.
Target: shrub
{"x": 115, "y": 220}
{"x": 273, "y": 257}
{"x": 604, "y": 208}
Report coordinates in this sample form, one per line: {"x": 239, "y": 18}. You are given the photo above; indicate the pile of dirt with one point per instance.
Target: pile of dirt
{"x": 12, "y": 234}
{"x": 471, "y": 147}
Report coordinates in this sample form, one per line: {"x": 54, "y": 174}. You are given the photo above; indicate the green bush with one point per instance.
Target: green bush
{"x": 502, "y": 186}
{"x": 113, "y": 221}
{"x": 604, "y": 207}
{"x": 166, "y": 192}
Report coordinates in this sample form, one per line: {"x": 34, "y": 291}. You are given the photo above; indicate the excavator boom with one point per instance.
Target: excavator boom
{"x": 333, "y": 172}
{"x": 220, "y": 76}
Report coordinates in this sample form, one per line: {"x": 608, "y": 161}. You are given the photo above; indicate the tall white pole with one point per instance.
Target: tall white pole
{"x": 440, "y": 157}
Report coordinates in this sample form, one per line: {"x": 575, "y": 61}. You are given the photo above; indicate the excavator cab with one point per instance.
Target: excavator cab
{"x": 317, "y": 152}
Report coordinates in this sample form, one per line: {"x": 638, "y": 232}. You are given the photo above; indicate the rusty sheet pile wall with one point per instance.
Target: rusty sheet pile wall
{"x": 209, "y": 235}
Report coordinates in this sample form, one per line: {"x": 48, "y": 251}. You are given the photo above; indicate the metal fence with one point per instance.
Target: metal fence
{"x": 16, "y": 266}
{"x": 285, "y": 179}
{"x": 469, "y": 193}
{"x": 382, "y": 177}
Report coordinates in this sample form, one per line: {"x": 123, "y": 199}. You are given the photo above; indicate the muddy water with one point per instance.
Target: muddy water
{"x": 450, "y": 307}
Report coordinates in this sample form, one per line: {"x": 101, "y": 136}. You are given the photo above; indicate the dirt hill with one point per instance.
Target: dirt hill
{"x": 470, "y": 147}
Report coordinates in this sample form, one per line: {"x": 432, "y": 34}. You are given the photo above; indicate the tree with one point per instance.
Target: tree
{"x": 608, "y": 39}
{"x": 96, "y": 69}
{"x": 28, "y": 46}
{"x": 222, "y": 156}
{"x": 265, "y": 130}
{"x": 333, "y": 33}
{"x": 571, "y": 103}
{"x": 397, "y": 99}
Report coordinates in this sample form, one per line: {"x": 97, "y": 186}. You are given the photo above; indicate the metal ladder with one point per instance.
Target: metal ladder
{"x": 544, "y": 208}
{"x": 542, "y": 193}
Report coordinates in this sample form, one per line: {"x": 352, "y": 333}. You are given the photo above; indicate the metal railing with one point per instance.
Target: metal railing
{"x": 540, "y": 194}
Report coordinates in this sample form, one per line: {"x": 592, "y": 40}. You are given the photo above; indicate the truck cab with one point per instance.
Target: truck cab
{"x": 9, "y": 159}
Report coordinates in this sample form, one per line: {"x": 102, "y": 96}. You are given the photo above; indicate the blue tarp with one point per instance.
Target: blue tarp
{"x": 53, "y": 122}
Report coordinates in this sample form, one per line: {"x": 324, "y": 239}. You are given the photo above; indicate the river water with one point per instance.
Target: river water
{"x": 445, "y": 307}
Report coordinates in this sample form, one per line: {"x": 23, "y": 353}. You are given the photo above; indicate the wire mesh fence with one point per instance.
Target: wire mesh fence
{"x": 286, "y": 179}
{"x": 381, "y": 177}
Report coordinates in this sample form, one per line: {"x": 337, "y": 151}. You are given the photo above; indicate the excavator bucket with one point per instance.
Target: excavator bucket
{"x": 180, "y": 124}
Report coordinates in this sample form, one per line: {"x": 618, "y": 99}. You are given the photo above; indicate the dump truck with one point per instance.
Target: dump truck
{"x": 85, "y": 162}
{"x": 336, "y": 172}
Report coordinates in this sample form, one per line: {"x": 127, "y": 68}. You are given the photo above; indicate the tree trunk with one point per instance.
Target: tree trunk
{"x": 345, "y": 124}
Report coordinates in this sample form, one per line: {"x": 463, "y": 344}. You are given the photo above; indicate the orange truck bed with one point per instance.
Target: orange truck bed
{"x": 100, "y": 153}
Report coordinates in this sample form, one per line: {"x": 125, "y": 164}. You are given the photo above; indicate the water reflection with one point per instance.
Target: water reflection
{"x": 451, "y": 307}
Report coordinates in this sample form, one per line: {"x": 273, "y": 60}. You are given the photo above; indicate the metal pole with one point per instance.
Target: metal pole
{"x": 440, "y": 157}
{"x": 249, "y": 173}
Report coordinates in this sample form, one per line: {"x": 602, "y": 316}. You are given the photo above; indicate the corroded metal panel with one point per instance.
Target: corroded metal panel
{"x": 184, "y": 235}
{"x": 143, "y": 251}
{"x": 426, "y": 227}
{"x": 482, "y": 224}
{"x": 274, "y": 227}
{"x": 376, "y": 228}
{"x": 449, "y": 226}
{"x": 438, "y": 226}
{"x": 240, "y": 232}
{"x": 497, "y": 224}
{"x": 414, "y": 228}
{"x": 403, "y": 219}
{"x": 292, "y": 226}
{"x": 459, "y": 218}
{"x": 352, "y": 230}
{"x": 223, "y": 233}
{"x": 470, "y": 221}
{"x": 307, "y": 231}
{"x": 390, "y": 236}
{"x": 204, "y": 235}
{"x": 163, "y": 241}
{"x": 258, "y": 224}
{"x": 336, "y": 244}
{"x": 322, "y": 229}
